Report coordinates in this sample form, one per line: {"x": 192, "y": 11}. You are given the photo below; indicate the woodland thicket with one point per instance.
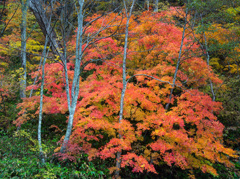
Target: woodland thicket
{"x": 119, "y": 89}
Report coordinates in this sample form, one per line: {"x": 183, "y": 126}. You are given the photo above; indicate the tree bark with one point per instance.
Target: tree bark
{"x": 208, "y": 58}
{"x": 118, "y": 162}
{"x": 41, "y": 154}
{"x": 178, "y": 62}
{"x": 156, "y": 6}
{"x": 148, "y": 5}
{"x": 75, "y": 85}
{"x": 23, "y": 78}
{"x": 56, "y": 46}
{"x": 36, "y": 7}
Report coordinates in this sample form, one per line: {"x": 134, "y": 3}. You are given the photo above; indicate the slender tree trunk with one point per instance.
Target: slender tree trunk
{"x": 45, "y": 25}
{"x": 35, "y": 79}
{"x": 118, "y": 162}
{"x": 208, "y": 58}
{"x": 36, "y": 7}
{"x": 56, "y": 46}
{"x": 156, "y": 6}
{"x": 205, "y": 46}
{"x": 41, "y": 155}
{"x": 23, "y": 77}
{"x": 178, "y": 62}
{"x": 147, "y": 5}
{"x": 75, "y": 85}
{"x": 4, "y": 25}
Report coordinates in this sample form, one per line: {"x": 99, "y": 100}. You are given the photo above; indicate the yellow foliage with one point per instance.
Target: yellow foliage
{"x": 234, "y": 12}
{"x": 218, "y": 33}
{"x": 33, "y": 142}
{"x": 215, "y": 63}
{"x": 57, "y": 149}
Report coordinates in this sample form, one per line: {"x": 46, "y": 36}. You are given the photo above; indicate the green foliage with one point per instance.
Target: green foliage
{"x": 30, "y": 168}
{"x": 102, "y": 6}
{"x": 33, "y": 143}
{"x": 233, "y": 13}
{"x": 86, "y": 169}
{"x": 231, "y": 102}
{"x": 18, "y": 160}
{"x": 163, "y": 6}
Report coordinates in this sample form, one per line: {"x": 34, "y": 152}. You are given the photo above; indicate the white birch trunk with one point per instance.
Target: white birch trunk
{"x": 72, "y": 102}
{"x": 156, "y": 6}
{"x": 178, "y": 62}
{"x": 118, "y": 162}
{"x": 36, "y": 7}
{"x": 147, "y": 3}
{"x": 23, "y": 77}
{"x": 41, "y": 155}
{"x": 208, "y": 58}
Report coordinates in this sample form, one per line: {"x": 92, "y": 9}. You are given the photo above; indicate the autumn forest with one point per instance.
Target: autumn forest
{"x": 120, "y": 89}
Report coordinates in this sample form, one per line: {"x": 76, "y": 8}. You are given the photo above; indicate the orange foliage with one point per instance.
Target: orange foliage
{"x": 188, "y": 135}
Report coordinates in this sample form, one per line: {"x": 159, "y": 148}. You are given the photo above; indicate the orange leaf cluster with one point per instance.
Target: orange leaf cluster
{"x": 188, "y": 135}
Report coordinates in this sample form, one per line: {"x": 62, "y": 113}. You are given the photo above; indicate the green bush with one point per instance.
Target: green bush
{"x": 19, "y": 159}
